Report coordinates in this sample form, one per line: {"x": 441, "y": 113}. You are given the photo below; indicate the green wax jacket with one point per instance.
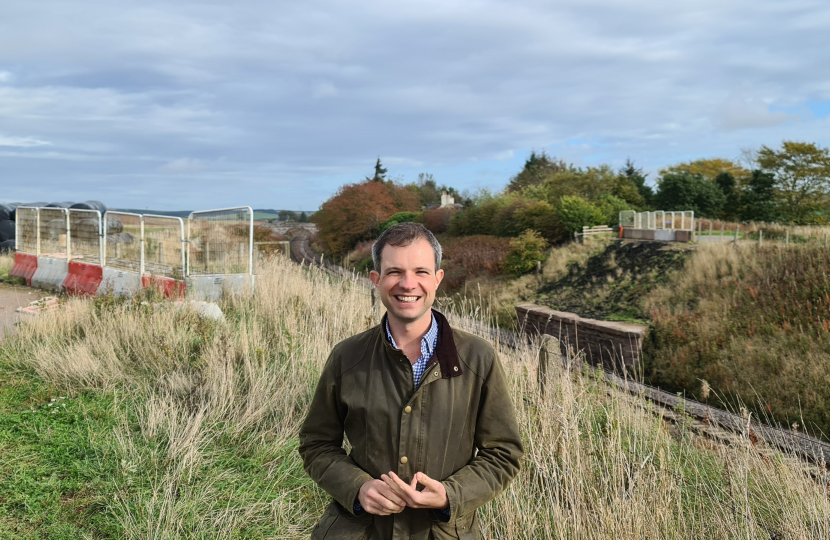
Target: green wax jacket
{"x": 459, "y": 427}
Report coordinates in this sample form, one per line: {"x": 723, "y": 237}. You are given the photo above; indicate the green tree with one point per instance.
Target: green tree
{"x": 707, "y": 168}
{"x": 303, "y": 217}
{"x": 576, "y": 212}
{"x": 536, "y": 169}
{"x": 758, "y": 199}
{"x": 636, "y": 176}
{"x": 732, "y": 204}
{"x": 686, "y": 191}
{"x": 288, "y": 215}
{"x": 802, "y": 177}
{"x": 380, "y": 173}
{"x": 525, "y": 252}
{"x": 400, "y": 217}
{"x": 611, "y": 206}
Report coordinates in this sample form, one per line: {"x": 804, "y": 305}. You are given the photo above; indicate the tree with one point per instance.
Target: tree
{"x": 536, "y": 169}
{"x": 303, "y": 217}
{"x": 380, "y": 173}
{"x": 802, "y": 178}
{"x": 732, "y": 204}
{"x": 288, "y": 215}
{"x": 758, "y": 200}
{"x": 575, "y": 213}
{"x": 637, "y": 177}
{"x": 707, "y": 168}
{"x": 525, "y": 252}
{"x": 686, "y": 191}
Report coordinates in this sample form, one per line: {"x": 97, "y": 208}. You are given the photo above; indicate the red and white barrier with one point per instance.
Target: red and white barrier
{"x": 83, "y": 278}
{"x": 170, "y": 287}
{"x": 51, "y": 272}
{"x": 24, "y": 267}
{"x": 119, "y": 282}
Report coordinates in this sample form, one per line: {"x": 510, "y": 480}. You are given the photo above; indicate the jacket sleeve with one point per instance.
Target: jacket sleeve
{"x": 321, "y": 443}
{"x": 499, "y": 449}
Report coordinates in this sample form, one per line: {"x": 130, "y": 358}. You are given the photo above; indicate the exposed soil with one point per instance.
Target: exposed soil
{"x": 11, "y": 298}
{"x": 612, "y": 284}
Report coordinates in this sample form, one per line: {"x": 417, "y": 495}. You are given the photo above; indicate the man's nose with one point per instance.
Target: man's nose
{"x": 407, "y": 280}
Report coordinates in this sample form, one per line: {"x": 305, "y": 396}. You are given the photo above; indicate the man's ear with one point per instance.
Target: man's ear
{"x": 374, "y": 276}
{"x": 439, "y": 275}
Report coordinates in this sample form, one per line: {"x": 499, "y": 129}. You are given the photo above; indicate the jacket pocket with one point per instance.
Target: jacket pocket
{"x": 337, "y": 524}
{"x": 464, "y": 528}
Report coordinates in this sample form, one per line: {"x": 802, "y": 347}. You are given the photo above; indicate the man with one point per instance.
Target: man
{"x": 426, "y": 410}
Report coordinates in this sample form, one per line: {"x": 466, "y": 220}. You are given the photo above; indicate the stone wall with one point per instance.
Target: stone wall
{"x": 602, "y": 342}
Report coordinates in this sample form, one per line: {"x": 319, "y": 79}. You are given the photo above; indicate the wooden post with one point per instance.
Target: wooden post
{"x": 538, "y": 268}
{"x": 786, "y": 238}
{"x": 721, "y": 230}
{"x": 736, "y": 232}
{"x": 710, "y": 231}
{"x": 161, "y": 252}
{"x": 760, "y": 237}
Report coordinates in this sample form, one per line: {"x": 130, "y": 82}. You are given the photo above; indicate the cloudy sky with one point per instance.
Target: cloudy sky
{"x": 183, "y": 105}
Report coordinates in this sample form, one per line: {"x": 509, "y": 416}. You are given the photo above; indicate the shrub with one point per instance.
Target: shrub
{"x": 576, "y": 212}
{"x": 400, "y": 217}
{"x": 525, "y": 252}
{"x": 437, "y": 220}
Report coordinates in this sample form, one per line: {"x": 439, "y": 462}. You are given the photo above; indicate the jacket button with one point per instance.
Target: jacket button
{"x": 404, "y": 460}
{"x": 408, "y": 409}
{"x": 436, "y": 373}
{"x": 455, "y": 368}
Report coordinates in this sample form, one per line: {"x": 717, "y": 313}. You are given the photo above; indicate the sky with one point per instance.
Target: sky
{"x": 210, "y": 104}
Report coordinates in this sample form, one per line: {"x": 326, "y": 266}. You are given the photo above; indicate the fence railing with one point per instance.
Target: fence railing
{"x": 593, "y": 231}
{"x": 221, "y": 241}
{"x": 658, "y": 220}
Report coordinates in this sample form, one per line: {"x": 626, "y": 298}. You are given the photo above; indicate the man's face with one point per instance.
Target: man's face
{"x": 407, "y": 280}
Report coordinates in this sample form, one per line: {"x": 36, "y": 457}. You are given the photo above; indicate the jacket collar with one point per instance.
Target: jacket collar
{"x": 445, "y": 354}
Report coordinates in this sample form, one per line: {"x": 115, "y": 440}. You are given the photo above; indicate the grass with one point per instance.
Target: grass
{"x": 179, "y": 427}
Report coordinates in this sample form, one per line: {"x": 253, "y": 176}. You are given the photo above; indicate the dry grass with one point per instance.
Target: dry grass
{"x": 6, "y": 263}
{"x": 209, "y": 413}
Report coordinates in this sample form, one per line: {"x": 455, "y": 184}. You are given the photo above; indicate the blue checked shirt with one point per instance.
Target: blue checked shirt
{"x": 428, "y": 343}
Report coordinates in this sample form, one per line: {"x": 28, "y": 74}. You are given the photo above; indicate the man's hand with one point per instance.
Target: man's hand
{"x": 433, "y": 496}
{"x": 377, "y": 498}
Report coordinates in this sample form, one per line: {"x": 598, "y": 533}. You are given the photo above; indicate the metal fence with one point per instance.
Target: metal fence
{"x": 53, "y": 227}
{"x": 26, "y": 229}
{"x": 122, "y": 241}
{"x": 220, "y": 241}
{"x": 658, "y": 220}
{"x": 164, "y": 240}
{"x": 85, "y": 235}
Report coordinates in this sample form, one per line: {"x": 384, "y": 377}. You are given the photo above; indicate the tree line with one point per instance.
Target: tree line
{"x": 555, "y": 199}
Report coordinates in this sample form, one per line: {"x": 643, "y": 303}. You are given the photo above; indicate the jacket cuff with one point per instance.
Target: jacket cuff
{"x": 452, "y": 504}
{"x": 351, "y": 492}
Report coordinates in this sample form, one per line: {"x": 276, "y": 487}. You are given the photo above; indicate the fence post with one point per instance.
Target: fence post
{"x": 786, "y": 238}
{"x": 710, "y": 230}
{"x": 760, "y": 237}
{"x": 736, "y": 233}
{"x": 721, "y": 230}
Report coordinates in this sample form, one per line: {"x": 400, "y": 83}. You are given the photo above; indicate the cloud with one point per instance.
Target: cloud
{"x": 310, "y": 96}
{"x": 183, "y": 166}
{"x": 22, "y": 142}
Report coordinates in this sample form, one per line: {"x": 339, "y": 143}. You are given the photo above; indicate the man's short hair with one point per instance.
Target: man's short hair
{"x": 404, "y": 234}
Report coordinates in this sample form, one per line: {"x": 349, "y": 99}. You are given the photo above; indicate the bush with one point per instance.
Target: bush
{"x": 575, "y": 213}
{"x": 437, "y": 220}
{"x": 611, "y": 206}
{"x": 525, "y": 252}
{"x": 400, "y": 217}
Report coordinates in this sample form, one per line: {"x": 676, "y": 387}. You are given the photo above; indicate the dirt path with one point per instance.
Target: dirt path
{"x": 11, "y": 298}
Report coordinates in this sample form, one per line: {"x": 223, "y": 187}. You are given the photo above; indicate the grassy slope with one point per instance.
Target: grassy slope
{"x": 175, "y": 427}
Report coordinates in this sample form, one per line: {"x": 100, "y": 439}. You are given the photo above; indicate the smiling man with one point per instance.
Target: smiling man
{"x": 426, "y": 410}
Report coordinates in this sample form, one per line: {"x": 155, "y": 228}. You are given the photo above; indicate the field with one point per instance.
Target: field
{"x": 134, "y": 419}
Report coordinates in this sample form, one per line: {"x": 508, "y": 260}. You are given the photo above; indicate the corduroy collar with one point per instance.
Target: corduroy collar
{"x": 446, "y": 354}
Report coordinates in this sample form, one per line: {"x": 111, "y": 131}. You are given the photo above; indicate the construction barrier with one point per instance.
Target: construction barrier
{"x": 119, "y": 282}
{"x": 83, "y": 278}
{"x": 82, "y": 252}
{"x": 171, "y": 288}
{"x": 220, "y": 245}
{"x": 51, "y": 273}
{"x": 24, "y": 267}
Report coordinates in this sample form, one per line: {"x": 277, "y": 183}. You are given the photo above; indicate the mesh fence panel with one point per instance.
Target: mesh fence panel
{"x": 627, "y": 218}
{"x": 85, "y": 235}
{"x": 220, "y": 241}
{"x": 53, "y": 231}
{"x": 163, "y": 245}
{"x": 122, "y": 233}
{"x": 26, "y": 239}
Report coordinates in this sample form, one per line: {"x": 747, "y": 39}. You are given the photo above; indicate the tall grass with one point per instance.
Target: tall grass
{"x": 6, "y": 263}
{"x": 207, "y": 413}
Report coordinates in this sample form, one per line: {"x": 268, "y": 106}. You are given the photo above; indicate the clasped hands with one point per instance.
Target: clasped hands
{"x": 390, "y": 494}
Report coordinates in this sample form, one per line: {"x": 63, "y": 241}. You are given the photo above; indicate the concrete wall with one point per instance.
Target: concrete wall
{"x": 603, "y": 342}
{"x": 664, "y": 235}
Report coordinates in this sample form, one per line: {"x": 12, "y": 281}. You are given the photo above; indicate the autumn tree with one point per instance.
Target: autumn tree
{"x": 707, "y": 168}
{"x": 356, "y": 211}
{"x": 802, "y": 178}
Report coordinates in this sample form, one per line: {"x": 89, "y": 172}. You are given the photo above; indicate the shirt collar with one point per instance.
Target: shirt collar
{"x": 428, "y": 342}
